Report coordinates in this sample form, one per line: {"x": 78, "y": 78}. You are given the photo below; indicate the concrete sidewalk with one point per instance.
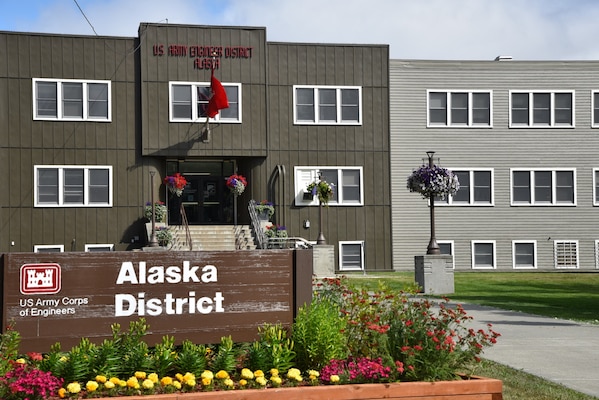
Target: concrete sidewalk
{"x": 558, "y": 350}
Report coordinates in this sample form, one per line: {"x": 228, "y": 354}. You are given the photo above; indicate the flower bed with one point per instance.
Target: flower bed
{"x": 478, "y": 388}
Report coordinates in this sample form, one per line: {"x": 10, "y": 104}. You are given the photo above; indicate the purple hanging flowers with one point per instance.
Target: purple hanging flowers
{"x": 433, "y": 181}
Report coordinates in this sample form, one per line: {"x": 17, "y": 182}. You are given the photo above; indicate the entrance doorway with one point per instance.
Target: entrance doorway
{"x": 205, "y": 199}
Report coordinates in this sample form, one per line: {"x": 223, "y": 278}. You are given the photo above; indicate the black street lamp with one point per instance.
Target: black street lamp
{"x": 433, "y": 246}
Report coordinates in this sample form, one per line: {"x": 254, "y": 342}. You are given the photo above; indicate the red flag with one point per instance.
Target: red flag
{"x": 219, "y": 100}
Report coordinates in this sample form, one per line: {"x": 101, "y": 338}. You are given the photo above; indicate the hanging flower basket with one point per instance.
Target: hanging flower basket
{"x": 175, "y": 183}
{"x": 322, "y": 189}
{"x": 236, "y": 184}
{"x": 433, "y": 181}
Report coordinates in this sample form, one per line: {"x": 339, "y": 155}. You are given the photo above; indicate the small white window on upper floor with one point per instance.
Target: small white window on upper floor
{"x": 476, "y": 188}
{"x": 327, "y": 105}
{"x": 565, "y": 254}
{"x": 188, "y": 102}
{"x": 459, "y": 108}
{"x": 348, "y": 185}
{"x": 48, "y": 248}
{"x": 99, "y": 247}
{"x": 71, "y": 100}
{"x": 543, "y": 109}
{"x": 351, "y": 255}
{"x": 543, "y": 187}
{"x": 524, "y": 254}
{"x": 72, "y": 186}
{"x": 595, "y": 108}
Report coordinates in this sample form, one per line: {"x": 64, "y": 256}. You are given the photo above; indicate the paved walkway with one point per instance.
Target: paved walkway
{"x": 561, "y": 351}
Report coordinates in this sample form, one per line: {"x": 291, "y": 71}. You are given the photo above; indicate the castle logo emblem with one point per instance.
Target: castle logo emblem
{"x": 40, "y": 278}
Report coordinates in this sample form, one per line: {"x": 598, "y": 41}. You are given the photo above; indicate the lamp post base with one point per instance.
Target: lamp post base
{"x": 321, "y": 239}
{"x": 433, "y": 247}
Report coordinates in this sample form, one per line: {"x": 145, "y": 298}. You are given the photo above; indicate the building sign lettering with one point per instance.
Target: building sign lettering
{"x": 204, "y": 57}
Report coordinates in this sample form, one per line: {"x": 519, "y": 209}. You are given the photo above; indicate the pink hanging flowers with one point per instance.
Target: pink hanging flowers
{"x": 175, "y": 183}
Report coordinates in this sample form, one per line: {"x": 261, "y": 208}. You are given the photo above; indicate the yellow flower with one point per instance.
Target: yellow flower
{"x": 294, "y": 373}
{"x": 122, "y": 383}
{"x": 109, "y": 385}
{"x": 166, "y": 380}
{"x": 228, "y": 382}
{"x": 91, "y": 386}
{"x": 140, "y": 375}
{"x": 190, "y": 382}
{"x": 101, "y": 379}
{"x": 188, "y": 377}
{"x": 247, "y": 373}
{"x": 207, "y": 374}
{"x": 258, "y": 373}
{"x": 334, "y": 378}
{"x": 63, "y": 359}
{"x": 261, "y": 381}
{"x": 222, "y": 374}
{"x": 74, "y": 387}
{"x": 147, "y": 384}
{"x": 177, "y": 385}
{"x": 179, "y": 377}
{"x": 274, "y": 372}
{"x": 21, "y": 361}
{"x": 206, "y": 381}
{"x": 243, "y": 382}
{"x": 115, "y": 380}
{"x": 313, "y": 373}
{"x": 276, "y": 380}
{"x": 133, "y": 383}
{"x": 153, "y": 377}
{"x": 62, "y": 393}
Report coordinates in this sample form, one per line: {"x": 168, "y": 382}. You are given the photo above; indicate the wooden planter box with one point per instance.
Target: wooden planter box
{"x": 476, "y": 388}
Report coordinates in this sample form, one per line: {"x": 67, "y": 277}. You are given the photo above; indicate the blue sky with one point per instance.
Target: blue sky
{"x": 414, "y": 29}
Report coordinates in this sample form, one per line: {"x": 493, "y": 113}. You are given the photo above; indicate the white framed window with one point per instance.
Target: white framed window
{"x": 99, "y": 247}
{"x": 595, "y": 109}
{"x": 541, "y": 109}
{"x": 327, "y": 105}
{"x": 476, "y": 188}
{"x": 72, "y": 186}
{"x": 543, "y": 187}
{"x": 188, "y": 102}
{"x": 565, "y": 254}
{"x": 596, "y": 186}
{"x": 348, "y": 185}
{"x": 524, "y": 254}
{"x": 48, "y": 248}
{"x": 459, "y": 108}
{"x": 447, "y": 248}
{"x": 351, "y": 255}
{"x": 71, "y": 100}
{"x": 483, "y": 254}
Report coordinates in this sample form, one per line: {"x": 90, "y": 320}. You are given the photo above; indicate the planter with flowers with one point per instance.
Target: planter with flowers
{"x": 161, "y": 211}
{"x": 265, "y": 210}
{"x": 347, "y": 344}
{"x": 175, "y": 183}
{"x": 236, "y": 184}
{"x": 277, "y": 236}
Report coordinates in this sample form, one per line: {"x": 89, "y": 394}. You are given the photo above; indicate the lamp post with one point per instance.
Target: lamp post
{"x": 433, "y": 246}
{"x": 153, "y": 240}
{"x": 321, "y": 239}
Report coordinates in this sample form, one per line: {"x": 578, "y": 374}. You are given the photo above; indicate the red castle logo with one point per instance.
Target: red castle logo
{"x": 40, "y": 278}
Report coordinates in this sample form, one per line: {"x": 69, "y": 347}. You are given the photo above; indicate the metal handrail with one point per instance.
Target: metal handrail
{"x": 188, "y": 240}
{"x": 291, "y": 242}
{"x": 256, "y": 226}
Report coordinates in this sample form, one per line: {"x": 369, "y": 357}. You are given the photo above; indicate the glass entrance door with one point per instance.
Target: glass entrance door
{"x": 203, "y": 199}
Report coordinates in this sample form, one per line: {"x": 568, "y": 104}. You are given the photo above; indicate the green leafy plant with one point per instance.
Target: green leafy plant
{"x": 322, "y": 189}
{"x": 9, "y": 347}
{"x": 159, "y": 209}
{"x": 225, "y": 356}
{"x": 164, "y": 235}
{"x": 163, "y": 356}
{"x": 265, "y": 207}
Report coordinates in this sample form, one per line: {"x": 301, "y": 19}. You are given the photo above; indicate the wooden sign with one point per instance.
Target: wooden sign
{"x": 201, "y": 296}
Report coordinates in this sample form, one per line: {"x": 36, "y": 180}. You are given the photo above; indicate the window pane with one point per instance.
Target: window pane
{"x": 331, "y": 176}
{"x": 99, "y": 186}
{"x": 520, "y": 108}
{"x": 563, "y": 108}
{"x": 73, "y": 186}
{"x": 350, "y": 106}
{"x": 305, "y": 104}
{"x": 482, "y": 186}
{"x": 597, "y": 186}
{"x": 327, "y": 107}
{"x": 463, "y": 193}
{"x": 437, "y": 108}
{"x": 541, "y": 108}
{"x": 233, "y": 97}
{"x": 351, "y": 256}
{"x": 203, "y": 97}
{"x": 97, "y": 94}
{"x": 72, "y": 96}
{"x": 521, "y": 186}
{"x": 564, "y": 189}
{"x": 351, "y": 186}
{"x": 46, "y": 99}
{"x": 459, "y": 108}
{"x": 543, "y": 183}
{"x": 445, "y": 249}
{"x": 47, "y": 186}
{"x": 595, "y": 108}
{"x": 483, "y": 254}
{"x": 525, "y": 254}
{"x": 181, "y": 99}
{"x": 481, "y": 108}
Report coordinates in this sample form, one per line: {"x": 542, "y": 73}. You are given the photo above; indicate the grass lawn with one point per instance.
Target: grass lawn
{"x": 567, "y": 295}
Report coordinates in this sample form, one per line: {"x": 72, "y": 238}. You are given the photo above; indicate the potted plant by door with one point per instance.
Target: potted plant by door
{"x": 265, "y": 210}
